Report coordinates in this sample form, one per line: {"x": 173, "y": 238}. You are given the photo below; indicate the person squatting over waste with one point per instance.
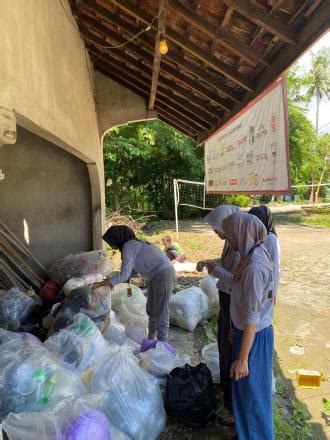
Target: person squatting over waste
{"x": 272, "y": 243}
{"x": 173, "y": 250}
{"x": 251, "y": 310}
{"x": 148, "y": 260}
{"x": 223, "y": 268}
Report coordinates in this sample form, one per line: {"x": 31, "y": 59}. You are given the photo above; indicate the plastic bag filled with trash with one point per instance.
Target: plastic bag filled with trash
{"x": 86, "y": 300}
{"x": 210, "y": 354}
{"x": 15, "y": 308}
{"x": 79, "y": 345}
{"x": 84, "y": 263}
{"x": 208, "y": 285}
{"x": 133, "y": 402}
{"x": 159, "y": 361}
{"x": 32, "y": 380}
{"x": 81, "y": 419}
{"x": 75, "y": 283}
{"x": 129, "y": 303}
{"x": 115, "y": 332}
{"x": 188, "y": 307}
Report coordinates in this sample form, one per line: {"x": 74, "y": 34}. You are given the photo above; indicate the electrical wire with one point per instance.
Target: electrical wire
{"x": 142, "y": 31}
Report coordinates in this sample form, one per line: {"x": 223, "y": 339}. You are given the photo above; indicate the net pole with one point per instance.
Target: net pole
{"x": 176, "y": 205}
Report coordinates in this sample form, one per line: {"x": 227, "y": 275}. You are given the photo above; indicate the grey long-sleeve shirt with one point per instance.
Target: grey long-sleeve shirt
{"x": 143, "y": 258}
{"x": 273, "y": 247}
{"x": 252, "y": 297}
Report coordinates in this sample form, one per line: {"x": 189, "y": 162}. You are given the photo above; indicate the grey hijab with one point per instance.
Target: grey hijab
{"x": 246, "y": 232}
{"x": 217, "y": 216}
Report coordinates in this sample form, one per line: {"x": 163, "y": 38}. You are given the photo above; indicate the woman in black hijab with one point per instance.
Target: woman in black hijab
{"x": 148, "y": 260}
{"x": 117, "y": 236}
{"x": 272, "y": 243}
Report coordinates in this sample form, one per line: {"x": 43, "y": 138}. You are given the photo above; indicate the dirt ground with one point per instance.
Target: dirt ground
{"x": 302, "y": 315}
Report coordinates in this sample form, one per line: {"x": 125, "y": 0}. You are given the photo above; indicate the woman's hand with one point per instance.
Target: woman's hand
{"x": 203, "y": 263}
{"x": 210, "y": 266}
{"x": 200, "y": 265}
{"x": 239, "y": 369}
{"x": 103, "y": 283}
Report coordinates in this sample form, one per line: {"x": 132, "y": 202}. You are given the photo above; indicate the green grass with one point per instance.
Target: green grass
{"x": 322, "y": 220}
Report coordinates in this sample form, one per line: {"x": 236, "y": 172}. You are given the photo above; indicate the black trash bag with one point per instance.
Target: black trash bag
{"x": 190, "y": 395}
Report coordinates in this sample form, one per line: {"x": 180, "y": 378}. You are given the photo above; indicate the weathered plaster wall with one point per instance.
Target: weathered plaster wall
{"x": 117, "y": 105}
{"x": 46, "y": 197}
{"x": 44, "y": 77}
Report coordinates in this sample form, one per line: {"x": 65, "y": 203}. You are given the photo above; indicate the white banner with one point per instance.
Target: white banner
{"x": 249, "y": 154}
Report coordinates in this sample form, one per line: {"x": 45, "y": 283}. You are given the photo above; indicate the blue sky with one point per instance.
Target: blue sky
{"x": 305, "y": 62}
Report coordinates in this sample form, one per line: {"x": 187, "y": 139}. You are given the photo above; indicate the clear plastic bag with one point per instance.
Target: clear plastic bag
{"x": 133, "y": 402}
{"x": 158, "y": 361}
{"x": 210, "y": 354}
{"x": 15, "y": 308}
{"x": 188, "y": 308}
{"x": 78, "y": 346}
{"x": 75, "y": 283}
{"x": 32, "y": 380}
{"x": 80, "y": 420}
{"x": 83, "y": 300}
{"x": 208, "y": 285}
{"x": 129, "y": 303}
{"x": 75, "y": 266}
{"x": 115, "y": 333}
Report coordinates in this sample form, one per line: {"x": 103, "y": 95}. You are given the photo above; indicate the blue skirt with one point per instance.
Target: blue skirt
{"x": 252, "y": 395}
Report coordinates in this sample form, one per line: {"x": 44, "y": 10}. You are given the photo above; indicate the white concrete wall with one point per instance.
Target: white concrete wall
{"x": 46, "y": 197}
{"x": 116, "y": 105}
{"x": 46, "y": 79}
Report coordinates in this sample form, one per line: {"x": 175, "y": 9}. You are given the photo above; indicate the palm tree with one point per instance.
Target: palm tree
{"x": 319, "y": 80}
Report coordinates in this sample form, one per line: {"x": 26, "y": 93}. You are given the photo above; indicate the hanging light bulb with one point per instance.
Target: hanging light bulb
{"x": 163, "y": 47}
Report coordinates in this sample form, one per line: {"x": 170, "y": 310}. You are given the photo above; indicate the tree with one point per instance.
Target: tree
{"x": 142, "y": 159}
{"x": 319, "y": 79}
{"x": 302, "y": 140}
{"x": 323, "y": 149}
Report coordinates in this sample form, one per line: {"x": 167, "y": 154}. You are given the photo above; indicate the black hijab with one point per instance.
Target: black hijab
{"x": 118, "y": 236}
{"x": 265, "y": 215}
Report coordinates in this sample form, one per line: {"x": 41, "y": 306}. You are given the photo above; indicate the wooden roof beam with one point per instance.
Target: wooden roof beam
{"x": 178, "y": 121}
{"x": 120, "y": 80}
{"x": 162, "y": 16}
{"x": 196, "y": 104}
{"x": 147, "y": 51}
{"x": 316, "y": 25}
{"x": 177, "y": 127}
{"x": 131, "y": 75}
{"x": 227, "y": 40}
{"x": 258, "y": 16}
{"x": 181, "y": 41}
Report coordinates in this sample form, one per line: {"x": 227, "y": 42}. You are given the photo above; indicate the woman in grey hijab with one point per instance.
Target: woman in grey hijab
{"x": 251, "y": 310}
{"x": 223, "y": 269}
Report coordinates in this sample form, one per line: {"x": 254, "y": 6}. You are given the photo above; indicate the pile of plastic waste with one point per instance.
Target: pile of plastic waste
{"x": 88, "y": 379}
{"x": 15, "y": 308}
{"x": 79, "y": 265}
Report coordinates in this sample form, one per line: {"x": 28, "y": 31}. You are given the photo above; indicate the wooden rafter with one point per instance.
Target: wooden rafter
{"x": 144, "y": 84}
{"x": 258, "y": 16}
{"x": 143, "y": 93}
{"x": 188, "y": 45}
{"x": 226, "y": 39}
{"x": 176, "y": 126}
{"x": 317, "y": 25}
{"x": 198, "y": 106}
{"x": 171, "y": 57}
{"x": 162, "y": 16}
